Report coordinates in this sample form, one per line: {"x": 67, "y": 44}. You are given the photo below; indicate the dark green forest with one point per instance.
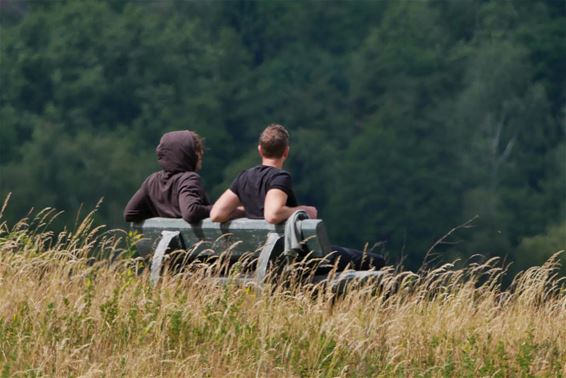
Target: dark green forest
{"x": 407, "y": 118}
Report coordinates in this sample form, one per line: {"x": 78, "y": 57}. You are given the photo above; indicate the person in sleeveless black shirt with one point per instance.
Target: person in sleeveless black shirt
{"x": 266, "y": 192}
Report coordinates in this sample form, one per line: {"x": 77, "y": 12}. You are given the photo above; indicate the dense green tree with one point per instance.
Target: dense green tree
{"x": 536, "y": 250}
{"x": 397, "y": 174}
{"x": 93, "y": 71}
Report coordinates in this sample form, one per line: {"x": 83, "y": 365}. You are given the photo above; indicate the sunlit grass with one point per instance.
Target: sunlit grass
{"x": 64, "y": 311}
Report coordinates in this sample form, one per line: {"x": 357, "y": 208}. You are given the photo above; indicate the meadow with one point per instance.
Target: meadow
{"x": 65, "y": 311}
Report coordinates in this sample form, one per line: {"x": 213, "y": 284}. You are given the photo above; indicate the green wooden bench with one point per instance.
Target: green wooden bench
{"x": 259, "y": 243}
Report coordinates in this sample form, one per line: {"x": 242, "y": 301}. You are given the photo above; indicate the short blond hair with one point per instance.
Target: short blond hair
{"x": 273, "y": 141}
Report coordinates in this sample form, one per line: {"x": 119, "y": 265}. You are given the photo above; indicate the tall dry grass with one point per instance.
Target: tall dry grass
{"x": 65, "y": 312}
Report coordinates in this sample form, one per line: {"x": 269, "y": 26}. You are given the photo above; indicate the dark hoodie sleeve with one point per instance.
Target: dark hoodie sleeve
{"x": 193, "y": 203}
{"x": 137, "y": 208}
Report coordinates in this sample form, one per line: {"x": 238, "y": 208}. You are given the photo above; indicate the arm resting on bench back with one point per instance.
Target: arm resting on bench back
{"x": 227, "y": 207}
{"x": 276, "y": 211}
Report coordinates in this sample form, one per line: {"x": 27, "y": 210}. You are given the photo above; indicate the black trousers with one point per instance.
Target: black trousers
{"x": 358, "y": 260}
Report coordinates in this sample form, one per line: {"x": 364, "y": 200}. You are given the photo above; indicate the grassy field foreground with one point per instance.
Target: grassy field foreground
{"x": 65, "y": 314}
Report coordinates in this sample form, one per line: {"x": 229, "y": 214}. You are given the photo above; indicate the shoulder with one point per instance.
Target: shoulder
{"x": 251, "y": 171}
{"x": 247, "y": 174}
{"x": 189, "y": 175}
{"x": 280, "y": 179}
{"x": 280, "y": 173}
{"x": 236, "y": 183}
{"x": 151, "y": 180}
{"x": 283, "y": 172}
{"x": 188, "y": 178}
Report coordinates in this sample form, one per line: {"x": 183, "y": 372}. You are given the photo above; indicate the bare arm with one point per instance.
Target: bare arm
{"x": 239, "y": 212}
{"x": 275, "y": 211}
{"x": 227, "y": 207}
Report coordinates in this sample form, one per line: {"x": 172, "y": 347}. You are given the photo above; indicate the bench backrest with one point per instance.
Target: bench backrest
{"x": 241, "y": 236}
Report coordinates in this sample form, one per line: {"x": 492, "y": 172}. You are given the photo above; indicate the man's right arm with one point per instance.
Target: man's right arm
{"x": 276, "y": 211}
{"x": 227, "y": 207}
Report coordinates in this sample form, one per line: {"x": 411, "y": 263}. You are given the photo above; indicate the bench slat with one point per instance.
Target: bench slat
{"x": 243, "y": 236}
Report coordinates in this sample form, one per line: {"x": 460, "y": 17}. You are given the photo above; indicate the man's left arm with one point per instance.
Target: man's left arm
{"x": 227, "y": 207}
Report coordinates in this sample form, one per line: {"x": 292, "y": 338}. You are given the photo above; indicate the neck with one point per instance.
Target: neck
{"x": 277, "y": 163}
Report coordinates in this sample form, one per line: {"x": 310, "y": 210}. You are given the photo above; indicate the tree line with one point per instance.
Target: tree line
{"x": 407, "y": 118}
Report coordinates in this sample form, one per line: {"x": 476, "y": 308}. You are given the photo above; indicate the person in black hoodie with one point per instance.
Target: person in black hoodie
{"x": 176, "y": 190}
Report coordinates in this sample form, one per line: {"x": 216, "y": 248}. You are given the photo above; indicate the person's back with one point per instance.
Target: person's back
{"x": 176, "y": 191}
{"x": 253, "y": 184}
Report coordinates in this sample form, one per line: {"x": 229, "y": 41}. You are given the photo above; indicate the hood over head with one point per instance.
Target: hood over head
{"x": 176, "y": 151}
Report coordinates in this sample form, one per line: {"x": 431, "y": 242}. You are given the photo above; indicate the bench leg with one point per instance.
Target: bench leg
{"x": 157, "y": 260}
{"x": 265, "y": 256}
